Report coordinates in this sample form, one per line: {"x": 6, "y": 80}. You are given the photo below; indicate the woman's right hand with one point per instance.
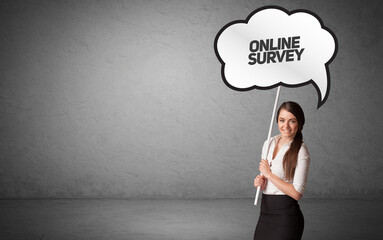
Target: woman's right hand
{"x": 260, "y": 181}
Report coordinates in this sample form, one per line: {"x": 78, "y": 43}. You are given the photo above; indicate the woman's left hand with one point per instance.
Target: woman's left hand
{"x": 264, "y": 168}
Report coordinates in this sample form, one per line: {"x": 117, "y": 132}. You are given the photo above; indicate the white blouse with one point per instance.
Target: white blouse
{"x": 301, "y": 170}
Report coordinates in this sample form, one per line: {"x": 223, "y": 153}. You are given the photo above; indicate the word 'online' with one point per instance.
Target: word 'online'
{"x": 270, "y": 51}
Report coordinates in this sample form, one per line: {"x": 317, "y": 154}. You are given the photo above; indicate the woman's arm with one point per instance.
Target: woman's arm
{"x": 285, "y": 187}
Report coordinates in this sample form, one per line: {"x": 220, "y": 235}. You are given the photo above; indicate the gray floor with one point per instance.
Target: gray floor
{"x": 178, "y": 219}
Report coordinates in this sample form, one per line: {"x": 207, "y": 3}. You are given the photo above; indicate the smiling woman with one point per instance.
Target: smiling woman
{"x": 287, "y": 124}
{"x": 284, "y": 177}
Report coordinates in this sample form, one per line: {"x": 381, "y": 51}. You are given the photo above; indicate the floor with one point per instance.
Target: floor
{"x": 195, "y": 219}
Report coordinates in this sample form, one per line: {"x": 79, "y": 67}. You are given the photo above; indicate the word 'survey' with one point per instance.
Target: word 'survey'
{"x": 270, "y": 51}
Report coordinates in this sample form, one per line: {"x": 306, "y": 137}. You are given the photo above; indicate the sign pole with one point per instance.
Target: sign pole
{"x": 268, "y": 139}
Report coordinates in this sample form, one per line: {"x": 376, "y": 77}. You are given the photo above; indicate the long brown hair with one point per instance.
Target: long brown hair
{"x": 291, "y": 157}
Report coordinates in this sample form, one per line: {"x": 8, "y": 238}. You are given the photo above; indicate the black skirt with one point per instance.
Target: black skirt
{"x": 280, "y": 218}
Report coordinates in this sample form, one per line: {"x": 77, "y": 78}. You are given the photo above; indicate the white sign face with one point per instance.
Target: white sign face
{"x": 275, "y": 47}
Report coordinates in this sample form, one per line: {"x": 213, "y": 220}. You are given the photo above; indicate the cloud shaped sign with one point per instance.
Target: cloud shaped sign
{"x": 275, "y": 47}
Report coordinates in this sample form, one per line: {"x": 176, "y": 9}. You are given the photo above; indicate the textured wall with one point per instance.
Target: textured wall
{"x": 125, "y": 99}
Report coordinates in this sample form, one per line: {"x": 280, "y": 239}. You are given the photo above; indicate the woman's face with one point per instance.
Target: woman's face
{"x": 287, "y": 124}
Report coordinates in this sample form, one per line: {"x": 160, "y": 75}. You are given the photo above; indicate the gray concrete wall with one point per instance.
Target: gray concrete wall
{"x": 125, "y": 99}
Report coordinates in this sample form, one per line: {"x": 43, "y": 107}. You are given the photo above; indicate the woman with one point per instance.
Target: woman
{"x": 284, "y": 177}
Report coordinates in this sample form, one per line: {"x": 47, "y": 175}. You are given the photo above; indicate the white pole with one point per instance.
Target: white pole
{"x": 268, "y": 139}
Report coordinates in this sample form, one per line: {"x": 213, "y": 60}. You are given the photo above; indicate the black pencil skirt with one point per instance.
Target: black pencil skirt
{"x": 280, "y": 218}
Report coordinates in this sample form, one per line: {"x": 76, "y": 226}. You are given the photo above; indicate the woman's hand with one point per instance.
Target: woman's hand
{"x": 260, "y": 181}
{"x": 264, "y": 168}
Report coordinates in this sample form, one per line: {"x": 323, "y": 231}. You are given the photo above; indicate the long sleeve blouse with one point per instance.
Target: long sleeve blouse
{"x": 301, "y": 171}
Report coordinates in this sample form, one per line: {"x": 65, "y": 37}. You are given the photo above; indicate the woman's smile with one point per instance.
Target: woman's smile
{"x": 287, "y": 124}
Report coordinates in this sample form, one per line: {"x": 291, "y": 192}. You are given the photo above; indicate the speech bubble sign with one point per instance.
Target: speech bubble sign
{"x": 275, "y": 47}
